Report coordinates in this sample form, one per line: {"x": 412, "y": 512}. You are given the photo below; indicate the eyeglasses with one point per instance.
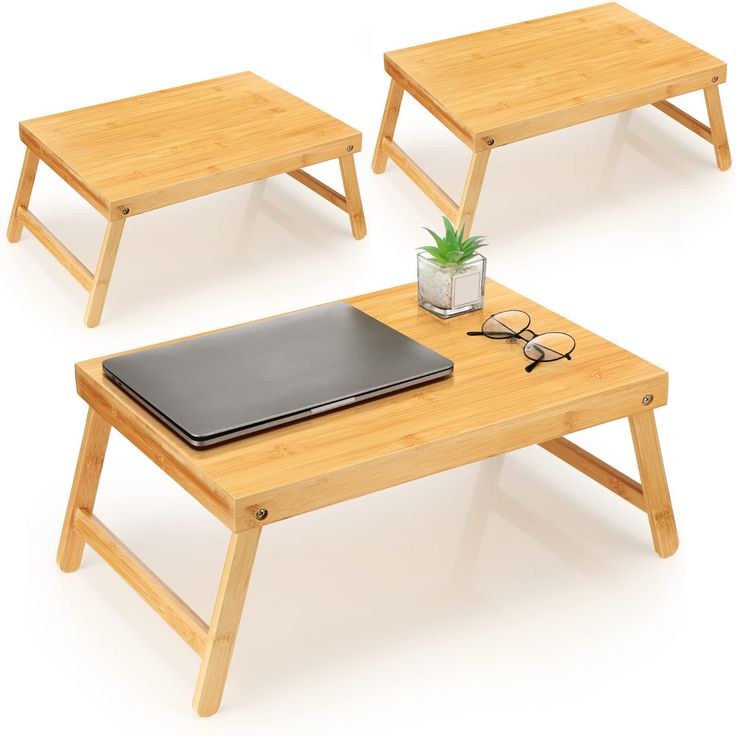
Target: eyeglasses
{"x": 514, "y": 324}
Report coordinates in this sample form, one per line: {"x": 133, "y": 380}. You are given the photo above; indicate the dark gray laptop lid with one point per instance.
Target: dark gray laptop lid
{"x": 221, "y": 383}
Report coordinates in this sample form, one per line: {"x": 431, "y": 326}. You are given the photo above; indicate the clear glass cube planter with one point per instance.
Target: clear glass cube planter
{"x": 450, "y": 290}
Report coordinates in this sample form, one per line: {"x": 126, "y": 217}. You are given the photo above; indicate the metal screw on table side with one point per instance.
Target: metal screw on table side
{"x": 647, "y": 399}
{"x": 350, "y": 148}
{"x": 261, "y": 514}
{"x": 490, "y": 141}
{"x": 714, "y": 79}
{"x": 125, "y": 210}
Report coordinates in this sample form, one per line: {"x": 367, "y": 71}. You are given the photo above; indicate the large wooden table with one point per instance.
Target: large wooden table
{"x": 490, "y": 405}
{"x": 141, "y": 153}
{"x": 506, "y": 84}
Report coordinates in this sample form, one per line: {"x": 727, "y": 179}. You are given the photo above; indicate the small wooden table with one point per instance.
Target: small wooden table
{"x": 506, "y": 84}
{"x": 489, "y": 406}
{"x": 141, "y": 153}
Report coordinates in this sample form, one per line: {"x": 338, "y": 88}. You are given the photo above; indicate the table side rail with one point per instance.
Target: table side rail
{"x": 432, "y": 105}
{"x": 418, "y": 460}
{"x": 146, "y": 436}
{"x": 584, "y": 112}
{"x": 217, "y": 181}
{"x": 73, "y": 179}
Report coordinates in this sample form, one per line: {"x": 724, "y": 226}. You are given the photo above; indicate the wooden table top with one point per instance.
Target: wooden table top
{"x": 489, "y": 406}
{"x": 520, "y": 80}
{"x": 159, "y": 148}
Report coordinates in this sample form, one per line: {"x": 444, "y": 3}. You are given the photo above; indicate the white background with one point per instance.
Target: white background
{"x": 513, "y": 595}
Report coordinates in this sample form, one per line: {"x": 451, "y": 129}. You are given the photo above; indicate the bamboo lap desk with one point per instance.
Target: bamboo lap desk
{"x": 488, "y": 407}
{"x": 506, "y": 84}
{"x": 145, "y": 152}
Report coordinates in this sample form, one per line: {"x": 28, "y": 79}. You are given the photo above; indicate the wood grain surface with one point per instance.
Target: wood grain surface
{"x": 163, "y": 147}
{"x": 489, "y": 406}
{"x": 521, "y": 80}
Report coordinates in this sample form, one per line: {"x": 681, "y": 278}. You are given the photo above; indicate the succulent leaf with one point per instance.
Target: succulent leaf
{"x": 454, "y": 248}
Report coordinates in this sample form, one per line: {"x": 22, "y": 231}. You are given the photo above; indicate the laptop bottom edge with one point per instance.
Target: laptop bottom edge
{"x": 220, "y": 438}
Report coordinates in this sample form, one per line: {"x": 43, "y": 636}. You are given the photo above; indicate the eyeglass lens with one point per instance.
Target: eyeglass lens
{"x": 549, "y": 346}
{"x": 506, "y": 324}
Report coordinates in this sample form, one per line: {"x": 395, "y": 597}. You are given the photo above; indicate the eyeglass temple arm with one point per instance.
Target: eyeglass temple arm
{"x": 505, "y": 335}
{"x": 535, "y": 363}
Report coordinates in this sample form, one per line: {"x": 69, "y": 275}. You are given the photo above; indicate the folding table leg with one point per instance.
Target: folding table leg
{"x": 654, "y": 483}
{"x": 23, "y": 194}
{"x": 471, "y": 192}
{"x": 103, "y": 273}
{"x": 388, "y": 125}
{"x": 223, "y": 627}
{"x": 717, "y": 127}
{"x": 352, "y": 196}
{"x": 84, "y": 488}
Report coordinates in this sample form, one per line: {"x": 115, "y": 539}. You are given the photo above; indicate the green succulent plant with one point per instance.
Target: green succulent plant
{"x": 454, "y": 249}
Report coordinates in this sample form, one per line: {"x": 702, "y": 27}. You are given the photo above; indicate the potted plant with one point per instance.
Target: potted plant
{"x": 451, "y": 274}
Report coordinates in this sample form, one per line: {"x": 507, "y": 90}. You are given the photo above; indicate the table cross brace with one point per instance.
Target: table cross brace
{"x": 715, "y": 134}
{"x": 651, "y": 495}
{"x": 460, "y": 213}
{"x": 350, "y": 202}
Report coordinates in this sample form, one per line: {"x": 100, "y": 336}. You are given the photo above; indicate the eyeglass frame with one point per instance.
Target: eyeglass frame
{"x": 520, "y": 336}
